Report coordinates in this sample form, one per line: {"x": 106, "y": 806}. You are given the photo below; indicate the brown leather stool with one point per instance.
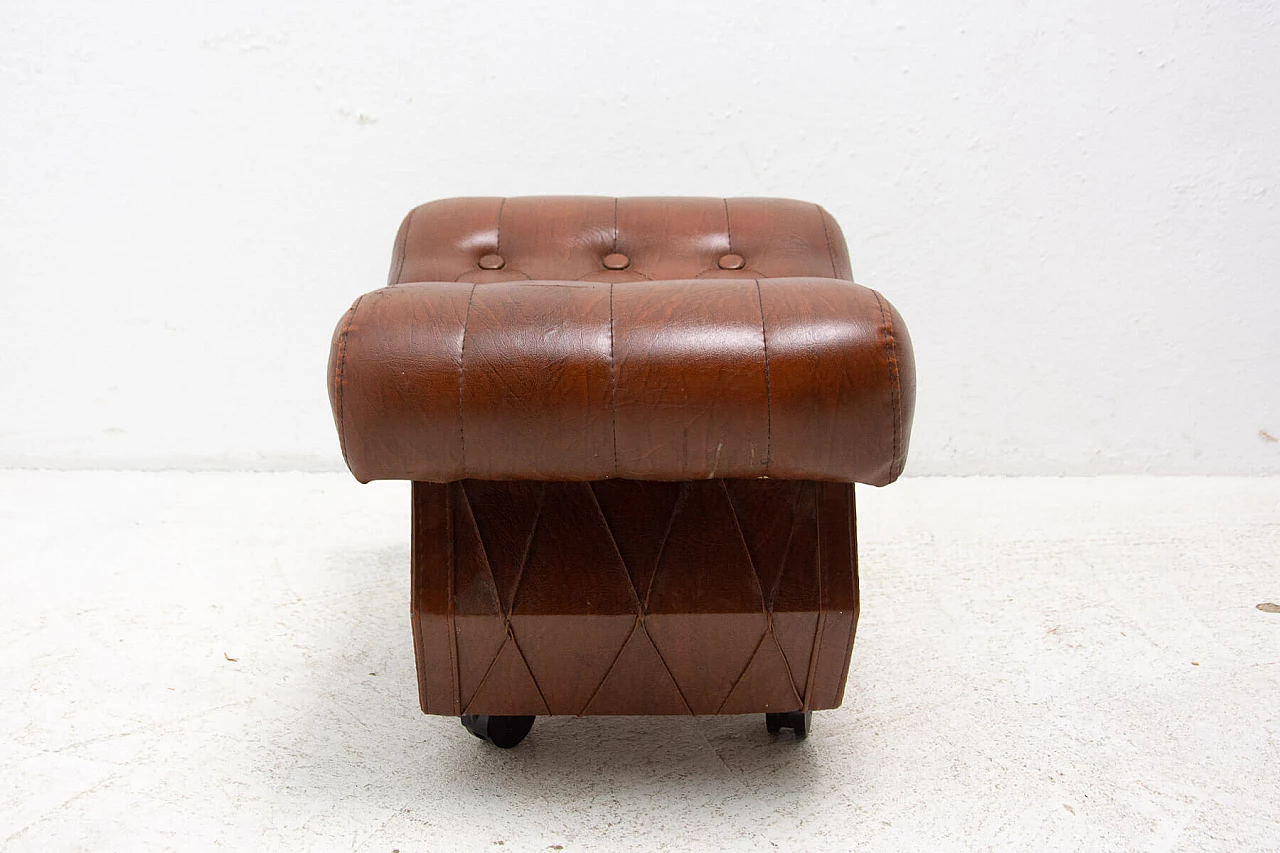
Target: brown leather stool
{"x": 633, "y": 427}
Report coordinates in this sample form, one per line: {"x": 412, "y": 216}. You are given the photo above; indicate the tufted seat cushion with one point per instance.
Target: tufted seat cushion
{"x": 571, "y": 237}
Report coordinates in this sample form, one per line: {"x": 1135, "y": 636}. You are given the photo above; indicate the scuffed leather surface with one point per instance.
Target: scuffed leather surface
{"x": 670, "y": 380}
{"x": 555, "y": 367}
{"x": 633, "y": 597}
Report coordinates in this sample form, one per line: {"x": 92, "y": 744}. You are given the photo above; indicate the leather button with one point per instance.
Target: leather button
{"x": 616, "y": 261}
{"x": 492, "y": 262}
{"x": 732, "y": 262}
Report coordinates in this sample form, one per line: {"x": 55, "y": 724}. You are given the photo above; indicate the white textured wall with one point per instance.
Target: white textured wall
{"x": 1074, "y": 205}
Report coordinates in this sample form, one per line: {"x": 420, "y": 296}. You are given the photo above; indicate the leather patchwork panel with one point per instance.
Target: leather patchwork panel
{"x": 628, "y": 597}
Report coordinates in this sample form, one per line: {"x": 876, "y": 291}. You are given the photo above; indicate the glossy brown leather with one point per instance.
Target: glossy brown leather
{"x": 633, "y": 597}
{"x": 633, "y": 426}
{"x": 568, "y": 237}
{"x": 761, "y": 361}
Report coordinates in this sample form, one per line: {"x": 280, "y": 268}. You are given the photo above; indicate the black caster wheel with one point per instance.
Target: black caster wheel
{"x": 502, "y": 732}
{"x": 798, "y": 721}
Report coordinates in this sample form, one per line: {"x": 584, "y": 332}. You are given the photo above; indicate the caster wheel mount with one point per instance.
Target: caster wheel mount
{"x": 798, "y": 721}
{"x": 502, "y": 732}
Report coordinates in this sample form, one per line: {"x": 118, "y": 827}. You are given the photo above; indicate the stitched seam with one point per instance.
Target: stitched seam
{"x": 826, "y": 232}
{"x": 452, "y": 571}
{"x": 404, "y": 247}
{"x": 462, "y": 352}
{"x": 662, "y": 546}
{"x": 488, "y": 670}
{"x": 746, "y": 549}
{"x": 587, "y": 276}
{"x": 820, "y": 626}
{"x": 615, "y": 226}
{"x": 488, "y": 567}
{"x": 895, "y": 394}
{"x": 728, "y": 231}
{"x": 768, "y": 612}
{"x": 609, "y": 672}
{"x": 853, "y": 551}
{"x": 340, "y": 369}
{"x": 532, "y": 677}
{"x": 786, "y": 665}
{"x": 528, "y": 548}
{"x": 741, "y": 675}
{"x": 831, "y": 254}
{"x": 768, "y": 385}
{"x": 497, "y": 248}
{"x": 786, "y": 553}
{"x": 604, "y": 522}
{"x": 670, "y": 674}
{"x": 523, "y": 276}
{"x": 613, "y": 386}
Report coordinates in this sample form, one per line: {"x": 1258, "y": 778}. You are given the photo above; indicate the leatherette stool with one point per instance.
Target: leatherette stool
{"x": 633, "y": 427}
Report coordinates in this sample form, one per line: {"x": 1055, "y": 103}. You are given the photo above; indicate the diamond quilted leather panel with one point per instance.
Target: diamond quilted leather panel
{"x": 706, "y": 652}
{"x": 705, "y": 567}
{"x": 766, "y": 685}
{"x": 550, "y": 583}
{"x": 569, "y": 655}
{"x": 774, "y": 514}
{"x": 572, "y": 565}
{"x": 508, "y": 687}
{"x": 638, "y": 512}
{"x": 505, "y": 515}
{"x": 638, "y": 671}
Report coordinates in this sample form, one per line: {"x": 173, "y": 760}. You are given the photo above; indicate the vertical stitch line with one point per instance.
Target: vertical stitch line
{"x": 403, "y": 248}
{"x": 853, "y": 560}
{"x": 340, "y": 383}
{"x": 728, "y": 231}
{"x": 497, "y": 247}
{"x": 831, "y": 253}
{"x": 615, "y": 226}
{"x": 768, "y": 385}
{"x": 613, "y": 387}
{"x": 415, "y": 590}
{"x": 462, "y": 352}
{"x": 895, "y": 393}
{"x": 819, "y": 627}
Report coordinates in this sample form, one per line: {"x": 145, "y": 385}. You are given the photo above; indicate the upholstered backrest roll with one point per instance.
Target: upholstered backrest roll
{"x": 794, "y": 378}
{"x": 592, "y": 238}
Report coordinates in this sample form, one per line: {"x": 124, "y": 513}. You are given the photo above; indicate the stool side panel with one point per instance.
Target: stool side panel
{"x": 683, "y": 656}
{"x": 431, "y": 598}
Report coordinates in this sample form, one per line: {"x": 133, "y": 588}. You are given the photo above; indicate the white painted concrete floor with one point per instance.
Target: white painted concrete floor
{"x": 194, "y": 661}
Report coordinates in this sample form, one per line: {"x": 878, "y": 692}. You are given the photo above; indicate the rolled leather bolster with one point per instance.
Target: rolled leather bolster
{"x": 792, "y": 378}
